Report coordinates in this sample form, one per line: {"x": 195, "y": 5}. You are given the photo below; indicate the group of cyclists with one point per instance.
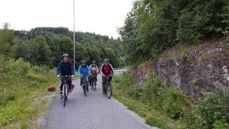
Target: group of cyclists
{"x": 66, "y": 68}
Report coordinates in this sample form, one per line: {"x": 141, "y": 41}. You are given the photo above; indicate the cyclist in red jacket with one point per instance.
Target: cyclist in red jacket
{"x": 106, "y": 70}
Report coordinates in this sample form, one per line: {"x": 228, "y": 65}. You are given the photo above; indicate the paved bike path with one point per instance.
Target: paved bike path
{"x": 92, "y": 112}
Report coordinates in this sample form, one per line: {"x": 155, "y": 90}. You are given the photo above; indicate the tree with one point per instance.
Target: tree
{"x": 6, "y": 41}
{"x": 153, "y": 26}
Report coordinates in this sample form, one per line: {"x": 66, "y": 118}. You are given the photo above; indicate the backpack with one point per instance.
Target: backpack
{"x": 107, "y": 69}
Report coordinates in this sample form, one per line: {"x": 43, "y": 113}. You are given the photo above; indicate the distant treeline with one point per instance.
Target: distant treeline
{"x": 45, "y": 46}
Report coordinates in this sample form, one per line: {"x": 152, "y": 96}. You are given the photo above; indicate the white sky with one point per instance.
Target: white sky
{"x": 99, "y": 16}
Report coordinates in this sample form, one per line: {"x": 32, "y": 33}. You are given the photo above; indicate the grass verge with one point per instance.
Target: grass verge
{"x": 168, "y": 108}
{"x": 20, "y": 87}
{"x": 124, "y": 88}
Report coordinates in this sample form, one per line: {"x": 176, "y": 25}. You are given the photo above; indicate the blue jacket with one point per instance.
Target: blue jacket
{"x": 65, "y": 68}
{"x": 84, "y": 70}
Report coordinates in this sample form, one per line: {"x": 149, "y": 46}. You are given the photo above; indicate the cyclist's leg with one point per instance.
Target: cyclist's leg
{"x": 96, "y": 77}
{"x": 70, "y": 83}
{"x": 81, "y": 81}
{"x": 103, "y": 83}
{"x": 87, "y": 82}
{"x": 90, "y": 79}
{"x": 61, "y": 85}
{"x": 110, "y": 79}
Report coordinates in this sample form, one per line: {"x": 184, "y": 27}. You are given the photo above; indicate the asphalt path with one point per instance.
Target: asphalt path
{"x": 95, "y": 111}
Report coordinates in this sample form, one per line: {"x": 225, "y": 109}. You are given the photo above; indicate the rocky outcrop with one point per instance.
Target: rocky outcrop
{"x": 196, "y": 70}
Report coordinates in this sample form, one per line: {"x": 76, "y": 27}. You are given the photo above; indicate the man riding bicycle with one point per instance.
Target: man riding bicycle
{"x": 107, "y": 71}
{"x": 65, "y": 68}
{"x": 83, "y": 70}
{"x": 94, "y": 70}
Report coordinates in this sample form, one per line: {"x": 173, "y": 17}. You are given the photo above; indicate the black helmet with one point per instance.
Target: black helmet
{"x": 65, "y": 55}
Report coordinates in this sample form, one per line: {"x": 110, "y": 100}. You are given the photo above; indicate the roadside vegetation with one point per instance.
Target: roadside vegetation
{"x": 169, "y": 108}
{"x": 20, "y": 85}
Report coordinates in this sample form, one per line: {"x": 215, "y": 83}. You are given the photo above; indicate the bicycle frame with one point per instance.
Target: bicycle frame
{"x": 108, "y": 87}
{"x": 65, "y": 89}
{"x": 84, "y": 84}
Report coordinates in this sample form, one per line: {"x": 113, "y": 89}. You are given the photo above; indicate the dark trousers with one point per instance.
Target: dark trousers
{"x": 104, "y": 81}
{"x": 62, "y": 79}
{"x": 81, "y": 80}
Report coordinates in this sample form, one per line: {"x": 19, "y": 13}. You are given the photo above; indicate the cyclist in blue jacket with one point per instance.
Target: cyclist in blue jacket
{"x": 65, "y": 68}
{"x": 83, "y": 70}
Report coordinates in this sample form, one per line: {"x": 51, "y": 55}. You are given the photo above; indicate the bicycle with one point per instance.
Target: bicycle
{"x": 65, "y": 89}
{"x": 93, "y": 82}
{"x": 85, "y": 85}
{"x": 108, "y": 87}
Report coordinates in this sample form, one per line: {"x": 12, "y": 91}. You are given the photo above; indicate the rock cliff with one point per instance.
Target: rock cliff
{"x": 196, "y": 70}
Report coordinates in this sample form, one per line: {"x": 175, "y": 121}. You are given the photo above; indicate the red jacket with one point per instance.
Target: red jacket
{"x": 107, "y": 69}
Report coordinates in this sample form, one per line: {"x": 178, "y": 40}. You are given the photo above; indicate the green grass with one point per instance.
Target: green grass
{"x": 126, "y": 92}
{"x": 168, "y": 108}
{"x": 20, "y": 85}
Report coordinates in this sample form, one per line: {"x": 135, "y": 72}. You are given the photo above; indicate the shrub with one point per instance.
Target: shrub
{"x": 209, "y": 113}
{"x": 173, "y": 102}
{"x": 5, "y": 96}
{"x": 18, "y": 67}
{"x": 152, "y": 92}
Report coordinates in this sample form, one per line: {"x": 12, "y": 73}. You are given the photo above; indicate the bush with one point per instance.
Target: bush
{"x": 40, "y": 69}
{"x": 173, "y": 102}
{"x": 18, "y": 67}
{"x": 5, "y": 96}
{"x": 167, "y": 99}
{"x": 209, "y": 113}
{"x": 152, "y": 92}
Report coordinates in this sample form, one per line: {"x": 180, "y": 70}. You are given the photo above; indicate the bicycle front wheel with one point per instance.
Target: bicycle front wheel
{"x": 65, "y": 90}
{"x": 109, "y": 91}
{"x": 85, "y": 89}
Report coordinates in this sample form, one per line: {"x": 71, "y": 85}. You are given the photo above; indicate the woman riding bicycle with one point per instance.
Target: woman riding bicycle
{"x": 94, "y": 70}
{"x": 65, "y": 68}
{"x": 83, "y": 71}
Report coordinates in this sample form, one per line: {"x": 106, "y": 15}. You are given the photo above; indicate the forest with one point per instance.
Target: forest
{"x": 45, "y": 46}
{"x": 156, "y": 25}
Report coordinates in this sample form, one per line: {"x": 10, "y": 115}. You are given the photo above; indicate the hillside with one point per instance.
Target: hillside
{"x": 183, "y": 86}
{"x": 196, "y": 69}
{"x": 178, "y": 53}
{"x": 56, "y": 41}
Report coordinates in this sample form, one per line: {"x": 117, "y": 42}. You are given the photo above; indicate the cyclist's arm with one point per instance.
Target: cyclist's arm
{"x": 72, "y": 69}
{"x": 112, "y": 69}
{"x": 79, "y": 71}
{"x": 102, "y": 70}
{"x": 58, "y": 69}
{"x": 88, "y": 70}
{"x": 90, "y": 66}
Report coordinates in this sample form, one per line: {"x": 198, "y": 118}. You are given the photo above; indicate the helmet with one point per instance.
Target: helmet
{"x": 106, "y": 61}
{"x": 93, "y": 62}
{"x": 65, "y": 55}
{"x": 83, "y": 61}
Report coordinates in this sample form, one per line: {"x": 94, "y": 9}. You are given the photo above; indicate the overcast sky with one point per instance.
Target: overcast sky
{"x": 99, "y": 16}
